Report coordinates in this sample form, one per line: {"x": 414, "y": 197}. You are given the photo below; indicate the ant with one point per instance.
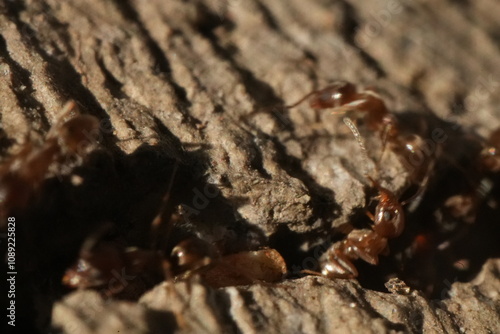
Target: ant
{"x": 388, "y": 220}
{"x": 465, "y": 206}
{"x": 101, "y": 260}
{"x": 343, "y": 97}
{"x": 66, "y": 143}
{"x": 388, "y": 223}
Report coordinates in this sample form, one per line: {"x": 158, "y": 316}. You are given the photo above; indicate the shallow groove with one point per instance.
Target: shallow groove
{"x": 260, "y": 91}
{"x": 21, "y": 77}
{"x": 162, "y": 63}
{"x": 349, "y": 31}
{"x": 65, "y": 77}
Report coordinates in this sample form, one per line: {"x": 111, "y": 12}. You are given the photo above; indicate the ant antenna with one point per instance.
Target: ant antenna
{"x": 293, "y": 105}
{"x": 350, "y": 124}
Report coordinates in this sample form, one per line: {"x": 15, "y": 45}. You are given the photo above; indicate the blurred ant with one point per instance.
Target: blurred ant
{"x": 104, "y": 264}
{"x": 465, "y": 206}
{"x": 101, "y": 261}
{"x": 490, "y": 156}
{"x": 66, "y": 143}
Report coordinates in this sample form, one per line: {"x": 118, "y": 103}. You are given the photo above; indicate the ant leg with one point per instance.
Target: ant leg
{"x": 388, "y": 127}
{"x": 308, "y": 95}
{"x": 421, "y": 187}
{"x": 156, "y": 224}
{"x": 370, "y": 215}
{"x": 310, "y": 272}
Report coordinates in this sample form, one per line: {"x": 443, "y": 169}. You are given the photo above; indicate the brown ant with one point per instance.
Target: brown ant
{"x": 465, "y": 206}
{"x": 100, "y": 264}
{"x": 66, "y": 143}
{"x": 481, "y": 181}
{"x": 345, "y": 98}
{"x": 388, "y": 220}
{"x": 388, "y": 223}
{"x": 100, "y": 261}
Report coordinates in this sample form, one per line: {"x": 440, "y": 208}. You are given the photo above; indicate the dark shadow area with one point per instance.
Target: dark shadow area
{"x": 126, "y": 193}
{"x": 161, "y": 322}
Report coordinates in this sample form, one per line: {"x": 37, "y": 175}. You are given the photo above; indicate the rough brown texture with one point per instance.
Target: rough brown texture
{"x": 206, "y": 82}
{"x": 308, "y": 305}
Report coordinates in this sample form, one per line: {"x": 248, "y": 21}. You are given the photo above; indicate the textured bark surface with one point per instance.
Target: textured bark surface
{"x": 307, "y": 305}
{"x": 206, "y": 82}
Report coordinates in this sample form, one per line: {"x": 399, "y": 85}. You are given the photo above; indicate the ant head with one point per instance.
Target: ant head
{"x": 79, "y": 133}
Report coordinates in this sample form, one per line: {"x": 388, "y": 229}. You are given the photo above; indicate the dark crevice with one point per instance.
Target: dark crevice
{"x": 457, "y": 106}
{"x": 206, "y": 21}
{"x": 268, "y": 17}
{"x": 160, "y": 321}
{"x": 65, "y": 78}
{"x": 5, "y": 142}
{"x": 224, "y": 302}
{"x": 61, "y": 29}
{"x": 322, "y": 198}
{"x": 111, "y": 83}
{"x": 22, "y": 87}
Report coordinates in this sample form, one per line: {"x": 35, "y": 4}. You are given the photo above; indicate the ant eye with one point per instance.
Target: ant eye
{"x": 388, "y": 215}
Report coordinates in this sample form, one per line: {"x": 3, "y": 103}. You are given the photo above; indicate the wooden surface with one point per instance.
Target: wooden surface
{"x": 206, "y": 82}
